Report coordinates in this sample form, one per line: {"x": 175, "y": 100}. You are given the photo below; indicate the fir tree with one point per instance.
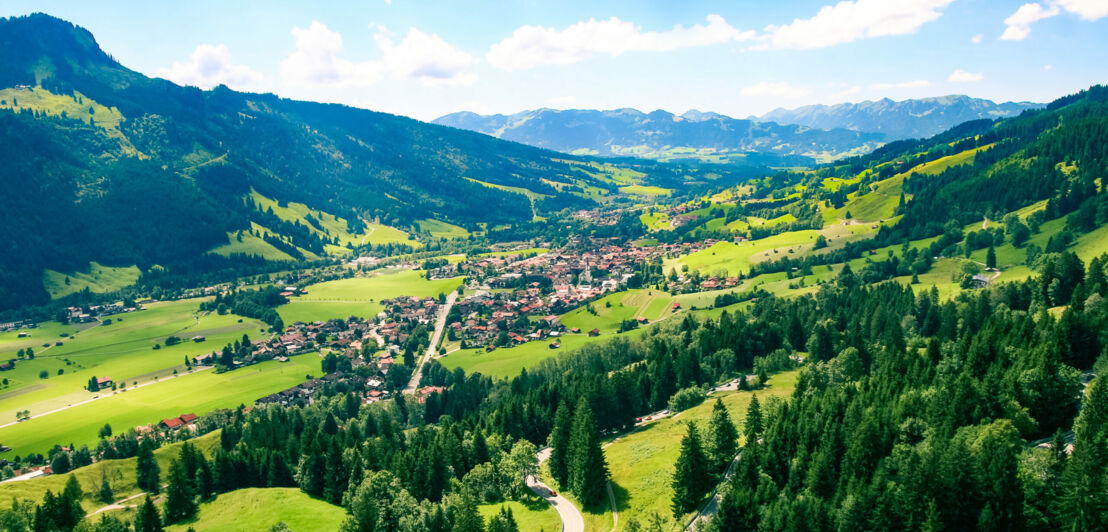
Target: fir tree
{"x": 559, "y": 445}
{"x": 722, "y": 437}
{"x": 105, "y": 494}
{"x": 147, "y": 519}
{"x": 753, "y": 427}
{"x": 503, "y": 521}
{"x": 180, "y": 502}
{"x": 691, "y": 478}
{"x": 990, "y": 257}
{"x": 148, "y": 472}
{"x": 588, "y": 472}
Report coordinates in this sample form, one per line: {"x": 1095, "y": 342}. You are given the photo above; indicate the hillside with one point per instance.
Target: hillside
{"x": 897, "y": 120}
{"x": 663, "y": 135}
{"x": 109, "y": 166}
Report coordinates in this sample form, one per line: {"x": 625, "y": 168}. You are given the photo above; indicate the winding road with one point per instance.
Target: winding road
{"x": 572, "y": 521}
{"x": 440, "y": 324}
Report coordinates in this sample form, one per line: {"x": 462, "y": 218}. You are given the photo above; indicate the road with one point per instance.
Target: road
{"x": 440, "y": 324}
{"x": 572, "y": 521}
{"x": 109, "y": 393}
{"x": 709, "y": 509}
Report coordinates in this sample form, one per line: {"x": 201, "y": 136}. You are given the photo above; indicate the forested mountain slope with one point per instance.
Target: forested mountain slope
{"x": 105, "y": 164}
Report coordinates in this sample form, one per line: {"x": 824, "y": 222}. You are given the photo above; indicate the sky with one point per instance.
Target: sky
{"x": 425, "y": 59}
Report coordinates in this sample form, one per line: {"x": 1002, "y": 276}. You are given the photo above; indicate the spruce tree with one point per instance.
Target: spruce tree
{"x": 588, "y": 473}
{"x": 691, "y": 478}
{"x": 466, "y": 517}
{"x": 148, "y": 472}
{"x": 722, "y": 437}
{"x": 753, "y": 427}
{"x": 559, "y": 445}
{"x": 105, "y": 495}
{"x": 503, "y": 521}
{"x": 147, "y": 519}
{"x": 180, "y": 502}
{"x": 990, "y": 258}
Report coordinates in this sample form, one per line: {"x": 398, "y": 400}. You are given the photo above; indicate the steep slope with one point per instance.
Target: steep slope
{"x": 899, "y": 120}
{"x": 663, "y": 135}
{"x": 156, "y": 173}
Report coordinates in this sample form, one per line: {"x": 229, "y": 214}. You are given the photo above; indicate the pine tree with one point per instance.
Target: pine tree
{"x": 1084, "y": 503}
{"x": 147, "y": 519}
{"x": 148, "y": 472}
{"x": 180, "y": 502}
{"x": 753, "y": 427}
{"x": 466, "y": 517}
{"x": 990, "y": 257}
{"x": 105, "y": 495}
{"x": 559, "y": 445}
{"x": 722, "y": 437}
{"x": 588, "y": 473}
{"x": 691, "y": 479}
{"x": 503, "y": 521}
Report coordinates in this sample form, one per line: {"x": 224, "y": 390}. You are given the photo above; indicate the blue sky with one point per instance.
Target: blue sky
{"x": 739, "y": 57}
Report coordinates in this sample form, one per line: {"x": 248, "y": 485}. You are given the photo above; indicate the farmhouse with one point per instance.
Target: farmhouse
{"x": 103, "y": 382}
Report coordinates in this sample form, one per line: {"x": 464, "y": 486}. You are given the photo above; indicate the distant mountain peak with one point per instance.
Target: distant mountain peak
{"x": 919, "y": 117}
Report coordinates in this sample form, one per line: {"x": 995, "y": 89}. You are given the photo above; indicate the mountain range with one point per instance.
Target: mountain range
{"x": 664, "y": 135}
{"x": 815, "y": 132}
{"x": 917, "y": 118}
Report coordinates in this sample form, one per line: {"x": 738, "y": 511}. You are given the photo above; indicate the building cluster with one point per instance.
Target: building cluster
{"x": 94, "y": 312}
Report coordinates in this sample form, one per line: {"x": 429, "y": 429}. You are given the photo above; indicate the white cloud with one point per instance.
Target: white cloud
{"x": 960, "y": 75}
{"x": 531, "y": 46}
{"x": 777, "y": 89}
{"x": 1019, "y": 23}
{"x": 915, "y": 84}
{"x": 211, "y": 65}
{"x": 851, "y": 21}
{"x": 1086, "y": 9}
{"x": 426, "y": 58}
{"x": 846, "y": 92}
{"x": 1048, "y": 67}
{"x": 317, "y": 60}
{"x": 976, "y": 39}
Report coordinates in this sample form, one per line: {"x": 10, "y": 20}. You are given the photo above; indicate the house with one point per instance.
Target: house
{"x": 189, "y": 419}
{"x": 198, "y": 339}
{"x": 172, "y": 423}
{"x": 594, "y": 332}
{"x": 103, "y": 382}
{"x": 9, "y": 365}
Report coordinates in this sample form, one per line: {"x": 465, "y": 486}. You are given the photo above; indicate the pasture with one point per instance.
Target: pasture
{"x": 440, "y": 229}
{"x": 507, "y": 362}
{"x": 258, "y": 509}
{"x": 123, "y": 351}
{"x": 361, "y": 296}
{"x": 97, "y": 278}
{"x": 199, "y": 392}
{"x": 641, "y": 463}
{"x": 532, "y": 515}
{"x": 617, "y": 307}
{"x": 120, "y": 475}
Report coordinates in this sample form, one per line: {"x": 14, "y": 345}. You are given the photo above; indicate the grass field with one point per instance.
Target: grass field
{"x": 332, "y": 226}
{"x": 597, "y": 518}
{"x": 97, "y": 278}
{"x": 440, "y": 229}
{"x": 732, "y": 258}
{"x": 508, "y": 362}
{"x": 120, "y": 474}
{"x": 361, "y": 296}
{"x": 52, "y": 104}
{"x": 533, "y": 515}
{"x": 641, "y": 463}
{"x": 616, "y": 307}
{"x": 655, "y": 221}
{"x": 251, "y": 245}
{"x": 122, "y": 351}
{"x": 200, "y": 393}
{"x": 645, "y": 190}
{"x": 258, "y": 509}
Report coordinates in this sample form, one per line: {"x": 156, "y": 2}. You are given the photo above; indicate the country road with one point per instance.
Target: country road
{"x": 440, "y": 324}
{"x": 572, "y": 521}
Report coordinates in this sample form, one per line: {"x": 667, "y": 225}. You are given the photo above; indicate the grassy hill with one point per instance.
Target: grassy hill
{"x": 96, "y": 278}
{"x": 258, "y": 509}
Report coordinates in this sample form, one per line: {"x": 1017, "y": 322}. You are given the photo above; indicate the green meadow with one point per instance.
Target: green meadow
{"x": 361, "y": 296}
{"x": 440, "y": 229}
{"x": 641, "y": 463}
{"x": 617, "y": 307}
{"x": 120, "y": 475}
{"x": 508, "y": 362}
{"x": 532, "y": 515}
{"x": 97, "y": 278}
{"x": 258, "y": 509}
{"x": 199, "y": 392}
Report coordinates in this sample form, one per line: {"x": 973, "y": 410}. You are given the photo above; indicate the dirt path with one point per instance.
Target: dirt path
{"x": 572, "y": 521}
{"x": 432, "y": 349}
{"x": 118, "y": 505}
